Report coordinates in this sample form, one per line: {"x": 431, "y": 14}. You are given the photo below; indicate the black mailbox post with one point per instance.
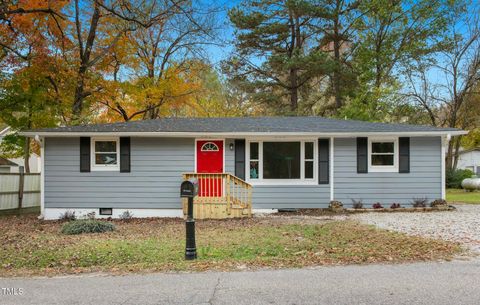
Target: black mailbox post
{"x": 189, "y": 189}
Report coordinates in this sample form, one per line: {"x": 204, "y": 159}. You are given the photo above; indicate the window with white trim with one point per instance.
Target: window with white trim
{"x": 105, "y": 154}
{"x": 282, "y": 161}
{"x": 254, "y": 160}
{"x": 309, "y": 160}
{"x": 383, "y": 155}
{"x": 209, "y": 146}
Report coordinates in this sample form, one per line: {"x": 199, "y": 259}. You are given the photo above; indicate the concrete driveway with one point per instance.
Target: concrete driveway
{"x": 445, "y": 283}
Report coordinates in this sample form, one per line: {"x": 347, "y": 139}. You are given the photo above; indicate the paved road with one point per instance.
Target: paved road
{"x": 423, "y": 283}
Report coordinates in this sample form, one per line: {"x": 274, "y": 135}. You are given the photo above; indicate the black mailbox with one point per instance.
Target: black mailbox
{"x": 189, "y": 188}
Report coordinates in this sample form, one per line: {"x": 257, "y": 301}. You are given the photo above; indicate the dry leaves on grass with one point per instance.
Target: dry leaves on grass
{"x": 31, "y": 246}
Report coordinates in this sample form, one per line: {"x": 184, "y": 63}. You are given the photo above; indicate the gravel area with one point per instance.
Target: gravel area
{"x": 462, "y": 225}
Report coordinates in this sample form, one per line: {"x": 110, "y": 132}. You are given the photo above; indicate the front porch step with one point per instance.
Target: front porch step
{"x": 217, "y": 211}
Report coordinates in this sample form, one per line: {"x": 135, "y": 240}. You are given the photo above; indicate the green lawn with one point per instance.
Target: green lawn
{"x": 31, "y": 247}
{"x": 461, "y": 196}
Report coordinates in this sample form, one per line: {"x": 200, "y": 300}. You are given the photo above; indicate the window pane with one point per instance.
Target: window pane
{"x": 308, "y": 169}
{"x": 281, "y": 160}
{"x": 105, "y": 146}
{"x": 382, "y": 159}
{"x": 110, "y": 159}
{"x": 382, "y": 147}
{"x": 308, "y": 150}
{"x": 253, "y": 169}
{"x": 253, "y": 151}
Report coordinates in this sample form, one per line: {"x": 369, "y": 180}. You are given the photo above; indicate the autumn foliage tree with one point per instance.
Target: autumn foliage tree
{"x": 98, "y": 60}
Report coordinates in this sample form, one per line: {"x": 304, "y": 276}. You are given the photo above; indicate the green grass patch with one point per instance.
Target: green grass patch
{"x": 30, "y": 246}
{"x": 461, "y": 196}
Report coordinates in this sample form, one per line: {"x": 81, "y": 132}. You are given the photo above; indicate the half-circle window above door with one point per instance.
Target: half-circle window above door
{"x": 209, "y": 146}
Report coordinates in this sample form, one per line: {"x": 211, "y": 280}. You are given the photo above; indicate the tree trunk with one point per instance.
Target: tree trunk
{"x": 336, "y": 51}
{"x": 455, "y": 153}
{"x": 293, "y": 91}
{"x": 79, "y": 95}
{"x": 26, "y": 154}
{"x": 84, "y": 56}
{"x": 448, "y": 160}
{"x": 451, "y": 160}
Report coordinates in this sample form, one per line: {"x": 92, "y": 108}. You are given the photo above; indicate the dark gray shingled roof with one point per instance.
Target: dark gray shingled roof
{"x": 247, "y": 125}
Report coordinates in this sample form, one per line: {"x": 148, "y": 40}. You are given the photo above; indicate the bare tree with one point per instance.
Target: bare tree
{"x": 442, "y": 87}
{"x": 175, "y": 41}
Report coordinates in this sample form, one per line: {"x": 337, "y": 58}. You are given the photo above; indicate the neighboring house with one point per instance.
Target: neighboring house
{"x": 34, "y": 160}
{"x": 291, "y": 162}
{"x": 470, "y": 159}
{"x": 7, "y": 165}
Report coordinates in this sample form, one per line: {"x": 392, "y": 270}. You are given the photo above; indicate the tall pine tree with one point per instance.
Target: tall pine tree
{"x": 277, "y": 50}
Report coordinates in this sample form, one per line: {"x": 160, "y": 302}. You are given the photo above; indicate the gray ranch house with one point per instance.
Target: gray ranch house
{"x": 262, "y": 163}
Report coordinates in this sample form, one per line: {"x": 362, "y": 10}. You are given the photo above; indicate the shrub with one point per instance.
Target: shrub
{"x": 87, "y": 226}
{"x": 68, "y": 216}
{"x": 357, "y": 204}
{"x": 377, "y": 206}
{"x": 127, "y": 215}
{"x": 419, "y": 202}
{"x": 335, "y": 205}
{"x": 454, "y": 178}
{"x": 395, "y": 206}
{"x": 438, "y": 202}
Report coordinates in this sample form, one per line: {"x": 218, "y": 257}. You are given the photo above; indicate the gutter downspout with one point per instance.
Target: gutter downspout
{"x": 445, "y": 140}
{"x": 332, "y": 189}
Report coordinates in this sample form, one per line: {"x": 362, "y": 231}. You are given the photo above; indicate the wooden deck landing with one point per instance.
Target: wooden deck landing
{"x": 220, "y": 196}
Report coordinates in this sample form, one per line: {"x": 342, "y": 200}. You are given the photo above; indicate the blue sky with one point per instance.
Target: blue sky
{"x": 225, "y": 35}
{"x": 218, "y": 53}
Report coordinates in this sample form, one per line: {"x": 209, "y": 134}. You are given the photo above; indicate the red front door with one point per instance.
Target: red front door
{"x": 210, "y": 160}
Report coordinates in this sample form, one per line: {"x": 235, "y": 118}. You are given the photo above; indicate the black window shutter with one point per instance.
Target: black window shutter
{"x": 404, "y": 155}
{"x": 84, "y": 154}
{"x": 323, "y": 161}
{"x": 240, "y": 159}
{"x": 362, "y": 155}
{"x": 125, "y": 155}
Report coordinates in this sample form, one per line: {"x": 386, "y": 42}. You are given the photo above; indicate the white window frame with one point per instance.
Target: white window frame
{"x": 104, "y": 167}
{"x": 301, "y": 181}
{"x": 383, "y": 168}
{"x": 254, "y": 160}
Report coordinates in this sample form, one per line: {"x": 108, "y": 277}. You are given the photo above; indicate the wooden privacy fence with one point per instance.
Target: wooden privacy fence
{"x": 19, "y": 190}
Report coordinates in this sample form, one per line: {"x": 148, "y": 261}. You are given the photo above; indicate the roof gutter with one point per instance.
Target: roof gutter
{"x": 238, "y": 134}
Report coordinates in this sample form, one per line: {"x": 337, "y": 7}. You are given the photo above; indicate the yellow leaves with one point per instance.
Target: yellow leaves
{"x": 168, "y": 95}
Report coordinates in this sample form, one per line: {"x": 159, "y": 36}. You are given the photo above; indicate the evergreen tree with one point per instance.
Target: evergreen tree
{"x": 278, "y": 51}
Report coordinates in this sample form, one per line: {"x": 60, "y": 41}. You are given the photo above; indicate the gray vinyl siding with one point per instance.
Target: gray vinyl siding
{"x": 157, "y": 165}
{"x": 290, "y": 196}
{"x": 424, "y": 179}
{"x": 229, "y": 157}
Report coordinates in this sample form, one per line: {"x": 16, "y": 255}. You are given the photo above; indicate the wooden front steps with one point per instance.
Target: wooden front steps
{"x": 216, "y": 211}
{"x": 223, "y": 196}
